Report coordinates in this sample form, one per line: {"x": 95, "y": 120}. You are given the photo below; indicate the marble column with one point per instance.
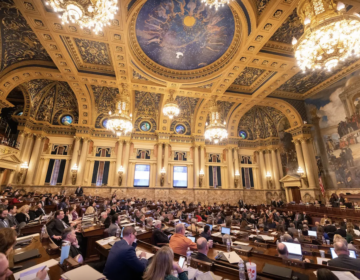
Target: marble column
{"x": 126, "y": 163}
{"x": 91, "y": 171}
{"x": 33, "y": 160}
{"x": 159, "y": 163}
{"x": 230, "y": 169}
{"x": 11, "y": 177}
{"x": 299, "y": 156}
{"x": 237, "y": 168}
{"x": 275, "y": 169}
{"x": 38, "y": 171}
{"x": 308, "y": 165}
{"x": 196, "y": 166}
{"x": 21, "y": 140}
{"x": 118, "y": 161}
{"x": 86, "y": 175}
{"x": 74, "y": 158}
{"x": 66, "y": 168}
{"x": 262, "y": 170}
{"x": 82, "y": 161}
{"x": 202, "y": 157}
{"x": 166, "y": 161}
{"x": 281, "y": 171}
{"x": 44, "y": 171}
{"x": 2, "y": 172}
{"x": 28, "y": 148}
{"x": 314, "y": 163}
{"x": 256, "y": 178}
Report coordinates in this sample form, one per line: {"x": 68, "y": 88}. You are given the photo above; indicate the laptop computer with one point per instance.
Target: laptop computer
{"x": 352, "y": 254}
{"x": 294, "y": 250}
{"x": 312, "y": 233}
{"x": 225, "y": 230}
{"x": 211, "y": 227}
{"x": 192, "y": 238}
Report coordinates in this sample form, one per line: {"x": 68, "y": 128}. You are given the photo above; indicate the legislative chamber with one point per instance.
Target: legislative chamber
{"x": 179, "y": 139}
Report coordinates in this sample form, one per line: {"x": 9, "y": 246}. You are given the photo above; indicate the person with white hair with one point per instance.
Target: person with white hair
{"x": 159, "y": 238}
{"x": 343, "y": 260}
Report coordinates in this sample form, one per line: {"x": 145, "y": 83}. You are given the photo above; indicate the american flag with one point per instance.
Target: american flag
{"x": 321, "y": 186}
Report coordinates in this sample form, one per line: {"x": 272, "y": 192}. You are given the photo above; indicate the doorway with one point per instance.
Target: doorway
{"x": 295, "y": 193}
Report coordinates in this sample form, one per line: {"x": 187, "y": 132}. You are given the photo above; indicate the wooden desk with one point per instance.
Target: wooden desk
{"x": 92, "y": 234}
{"x": 32, "y": 229}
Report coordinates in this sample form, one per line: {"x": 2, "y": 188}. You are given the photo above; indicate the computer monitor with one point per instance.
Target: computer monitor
{"x": 293, "y": 248}
{"x": 192, "y": 238}
{"x": 334, "y": 255}
{"x": 225, "y": 230}
{"x": 312, "y": 233}
{"x": 209, "y": 226}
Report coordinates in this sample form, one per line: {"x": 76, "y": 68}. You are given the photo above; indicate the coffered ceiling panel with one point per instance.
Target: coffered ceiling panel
{"x": 248, "y": 76}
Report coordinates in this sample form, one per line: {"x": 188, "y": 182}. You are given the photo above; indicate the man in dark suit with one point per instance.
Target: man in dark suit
{"x": 343, "y": 260}
{"x": 328, "y": 227}
{"x": 11, "y": 216}
{"x": 79, "y": 191}
{"x": 40, "y": 210}
{"x": 118, "y": 207}
{"x": 122, "y": 260}
{"x": 340, "y": 230}
{"x": 241, "y": 203}
{"x": 125, "y": 207}
{"x": 56, "y": 226}
{"x": 306, "y": 217}
{"x": 206, "y": 233}
{"x": 4, "y": 222}
{"x": 158, "y": 237}
{"x": 298, "y": 219}
{"x": 203, "y": 249}
{"x": 42, "y": 201}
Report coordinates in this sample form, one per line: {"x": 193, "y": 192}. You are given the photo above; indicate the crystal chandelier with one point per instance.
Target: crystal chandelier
{"x": 92, "y": 14}
{"x": 216, "y": 3}
{"x": 171, "y": 108}
{"x": 121, "y": 121}
{"x": 215, "y": 131}
{"x": 330, "y": 35}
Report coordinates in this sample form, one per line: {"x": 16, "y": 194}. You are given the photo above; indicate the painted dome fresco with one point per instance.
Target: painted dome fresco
{"x": 184, "y": 34}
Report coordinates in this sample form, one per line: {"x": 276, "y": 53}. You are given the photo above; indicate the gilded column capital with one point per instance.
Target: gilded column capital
{"x": 77, "y": 138}
{"x": 304, "y": 139}
{"x": 29, "y": 135}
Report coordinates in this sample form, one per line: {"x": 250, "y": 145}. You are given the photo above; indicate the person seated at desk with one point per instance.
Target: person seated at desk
{"x": 91, "y": 209}
{"x": 125, "y": 207}
{"x": 103, "y": 216}
{"x": 270, "y": 223}
{"x": 325, "y": 274}
{"x": 315, "y": 227}
{"x": 203, "y": 249}
{"x": 122, "y": 260}
{"x": 149, "y": 222}
{"x": 159, "y": 238}
{"x": 4, "y": 222}
{"x": 115, "y": 225}
{"x": 179, "y": 242}
{"x": 206, "y": 233}
{"x": 328, "y": 227}
{"x": 7, "y": 240}
{"x": 79, "y": 191}
{"x": 64, "y": 203}
{"x": 11, "y": 216}
{"x": 23, "y": 214}
{"x": 323, "y": 220}
{"x": 291, "y": 229}
{"x": 192, "y": 227}
{"x": 343, "y": 260}
{"x": 40, "y": 210}
{"x": 5, "y": 204}
{"x": 244, "y": 225}
{"x": 350, "y": 233}
{"x": 163, "y": 265}
{"x": 56, "y": 226}
{"x": 340, "y": 231}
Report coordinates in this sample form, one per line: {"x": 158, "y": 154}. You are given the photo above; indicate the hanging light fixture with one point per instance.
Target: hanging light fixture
{"x": 216, "y": 3}
{"x": 120, "y": 122}
{"x": 171, "y": 108}
{"x": 331, "y": 35}
{"x": 215, "y": 131}
{"x": 92, "y": 14}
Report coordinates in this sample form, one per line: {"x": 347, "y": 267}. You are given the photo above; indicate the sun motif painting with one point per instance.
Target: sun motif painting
{"x": 184, "y": 34}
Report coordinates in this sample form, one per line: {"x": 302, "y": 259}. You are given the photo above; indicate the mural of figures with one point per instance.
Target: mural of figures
{"x": 287, "y": 148}
{"x": 335, "y": 113}
{"x": 184, "y": 34}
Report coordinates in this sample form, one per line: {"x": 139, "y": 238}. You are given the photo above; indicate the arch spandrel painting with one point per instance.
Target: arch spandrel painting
{"x": 184, "y": 34}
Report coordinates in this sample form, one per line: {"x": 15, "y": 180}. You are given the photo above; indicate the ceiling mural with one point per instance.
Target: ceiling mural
{"x": 187, "y": 109}
{"x": 248, "y": 76}
{"x": 184, "y": 34}
{"x": 18, "y": 41}
{"x": 260, "y": 122}
{"x": 93, "y": 52}
{"x": 105, "y": 98}
{"x": 224, "y": 108}
{"x": 292, "y": 27}
{"x": 302, "y": 82}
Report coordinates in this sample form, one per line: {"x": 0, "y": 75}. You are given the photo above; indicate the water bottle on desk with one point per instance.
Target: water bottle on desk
{"x": 43, "y": 232}
{"x": 188, "y": 256}
{"x": 228, "y": 245}
{"x": 118, "y": 232}
{"x": 242, "y": 275}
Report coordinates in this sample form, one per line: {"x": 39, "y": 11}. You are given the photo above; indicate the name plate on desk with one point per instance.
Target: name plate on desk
{"x": 262, "y": 245}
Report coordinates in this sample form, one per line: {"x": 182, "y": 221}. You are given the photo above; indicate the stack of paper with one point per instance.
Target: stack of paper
{"x": 106, "y": 241}
{"x": 34, "y": 269}
{"x": 216, "y": 234}
{"x": 148, "y": 255}
{"x": 208, "y": 276}
{"x": 235, "y": 231}
{"x": 232, "y": 257}
{"x": 274, "y": 233}
{"x": 320, "y": 260}
{"x": 235, "y": 227}
{"x": 357, "y": 232}
{"x": 127, "y": 225}
{"x": 241, "y": 243}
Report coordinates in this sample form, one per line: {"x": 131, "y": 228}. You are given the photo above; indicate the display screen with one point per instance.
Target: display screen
{"x": 293, "y": 248}
{"x": 180, "y": 177}
{"x": 142, "y": 175}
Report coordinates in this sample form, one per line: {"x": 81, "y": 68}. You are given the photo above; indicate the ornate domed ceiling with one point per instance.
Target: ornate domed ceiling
{"x": 242, "y": 54}
{"x": 184, "y": 34}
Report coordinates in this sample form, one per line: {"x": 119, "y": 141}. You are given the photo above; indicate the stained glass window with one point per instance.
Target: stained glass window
{"x": 180, "y": 129}
{"x": 66, "y": 120}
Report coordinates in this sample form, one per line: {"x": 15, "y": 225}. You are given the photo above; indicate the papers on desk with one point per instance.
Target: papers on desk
{"x": 148, "y": 255}
{"x": 124, "y": 221}
{"x": 106, "y": 241}
{"x": 31, "y": 274}
{"x": 357, "y": 232}
{"x": 208, "y": 276}
{"x": 235, "y": 231}
{"x": 255, "y": 230}
{"x": 274, "y": 233}
{"x": 232, "y": 257}
{"x": 241, "y": 243}
{"x": 235, "y": 227}
{"x": 265, "y": 237}
{"x": 83, "y": 272}
{"x": 343, "y": 275}
{"x": 39, "y": 266}
{"x": 320, "y": 260}
{"x": 127, "y": 225}
{"x": 216, "y": 234}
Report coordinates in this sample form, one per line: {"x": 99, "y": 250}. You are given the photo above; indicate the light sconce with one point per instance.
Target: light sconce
{"x": 301, "y": 172}
{"x": 236, "y": 180}
{"x": 201, "y": 177}
{"x": 74, "y": 171}
{"x": 268, "y": 178}
{"x": 162, "y": 176}
{"x": 23, "y": 167}
{"x": 120, "y": 172}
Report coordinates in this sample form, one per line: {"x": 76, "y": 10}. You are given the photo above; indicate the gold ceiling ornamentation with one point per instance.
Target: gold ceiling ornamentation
{"x": 121, "y": 121}
{"x": 216, "y": 3}
{"x": 331, "y": 35}
{"x": 171, "y": 108}
{"x": 92, "y": 14}
{"x": 215, "y": 131}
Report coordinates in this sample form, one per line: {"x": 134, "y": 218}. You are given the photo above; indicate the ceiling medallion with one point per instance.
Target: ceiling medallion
{"x": 330, "y": 35}
{"x": 92, "y": 14}
{"x": 215, "y": 131}
{"x": 171, "y": 108}
{"x": 121, "y": 121}
{"x": 216, "y": 3}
